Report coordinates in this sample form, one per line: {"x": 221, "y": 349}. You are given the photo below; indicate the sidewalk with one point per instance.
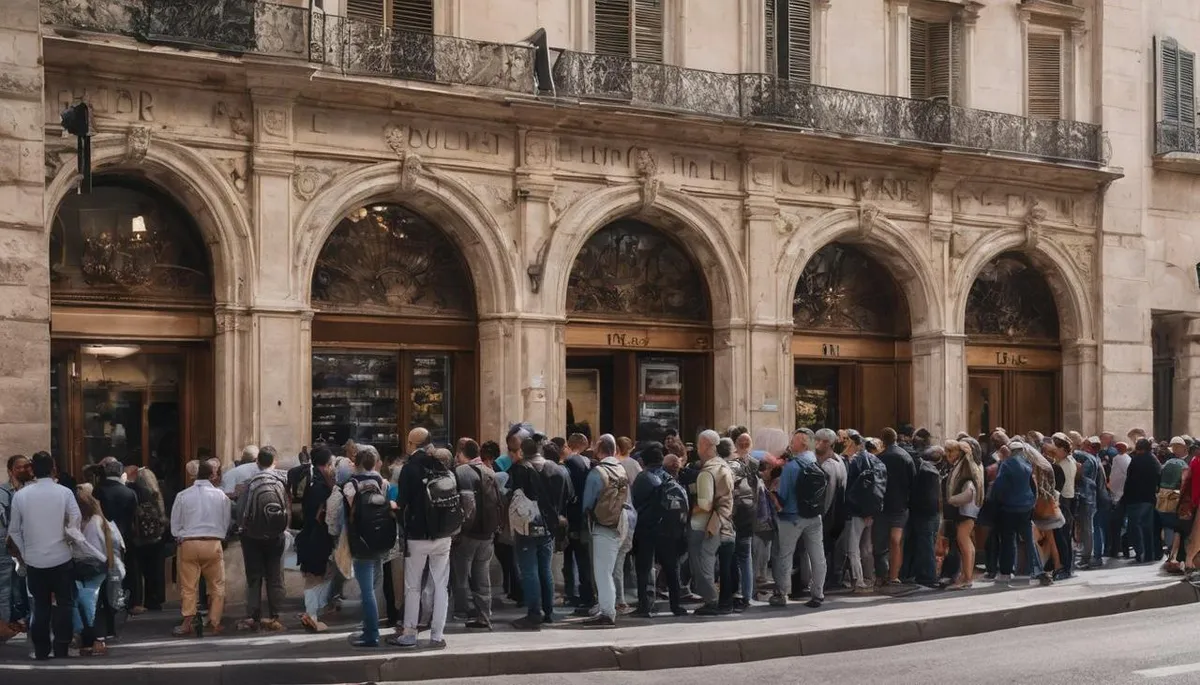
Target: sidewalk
{"x": 146, "y": 652}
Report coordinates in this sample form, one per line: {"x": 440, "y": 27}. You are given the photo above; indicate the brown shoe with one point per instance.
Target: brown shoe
{"x": 271, "y": 625}
{"x": 214, "y": 629}
{"x": 7, "y": 632}
{"x": 137, "y": 611}
{"x": 185, "y": 629}
{"x": 247, "y": 624}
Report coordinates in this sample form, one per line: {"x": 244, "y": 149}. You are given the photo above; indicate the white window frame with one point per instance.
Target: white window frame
{"x": 581, "y": 16}
{"x": 1067, "y": 21}
{"x": 962, "y": 13}
{"x": 754, "y": 34}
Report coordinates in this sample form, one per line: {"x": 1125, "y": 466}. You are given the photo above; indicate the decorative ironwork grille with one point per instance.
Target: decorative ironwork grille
{"x": 1170, "y": 137}
{"x": 631, "y": 269}
{"x": 126, "y": 242}
{"x": 1011, "y": 299}
{"x": 842, "y": 289}
{"x": 386, "y": 259}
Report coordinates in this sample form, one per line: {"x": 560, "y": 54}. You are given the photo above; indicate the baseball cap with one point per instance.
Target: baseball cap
{"x": 1177, "y": 440}
{"x": 1094, "y": 440}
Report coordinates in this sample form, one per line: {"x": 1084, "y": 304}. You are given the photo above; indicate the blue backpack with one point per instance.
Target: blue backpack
{"x": 673, "y": 503}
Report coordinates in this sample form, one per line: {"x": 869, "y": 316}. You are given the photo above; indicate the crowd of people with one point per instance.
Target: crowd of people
{"x": 716, "y": 525}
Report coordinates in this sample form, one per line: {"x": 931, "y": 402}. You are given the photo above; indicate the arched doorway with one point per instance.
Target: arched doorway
{"x": 1014, "y": 357}
{"x": 131, "y": 292}
{"x": 638, "y": 336}
{"x": 394, "y": 334}
{"x": 853, "y": 362}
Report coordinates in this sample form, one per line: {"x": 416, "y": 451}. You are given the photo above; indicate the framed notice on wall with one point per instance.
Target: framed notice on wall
{"x": 583, "y": 401}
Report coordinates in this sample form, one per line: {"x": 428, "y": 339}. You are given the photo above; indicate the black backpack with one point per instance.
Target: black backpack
{"x": 372, "y": 530}
{"x": 926, "y": 489}
{"x": 443, "y": 504}
{"x": 811, "y": 485}
{"x": 673, "y": 509}
{"x": 867, "y": 491}
{"x": 745, "y": 498}
{"x": 267, "y": 507}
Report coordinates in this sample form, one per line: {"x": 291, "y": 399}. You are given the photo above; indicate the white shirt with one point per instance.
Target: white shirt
{"x": 1116, "y": 479}
{"x": 201, "y": 511}
{"x": 238, "y": 475}
{"x": 41, "y": 513}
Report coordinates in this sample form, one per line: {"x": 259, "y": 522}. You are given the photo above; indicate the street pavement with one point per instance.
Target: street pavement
{"x": 1155, "y": 647}
{"x": 147, "y": 653}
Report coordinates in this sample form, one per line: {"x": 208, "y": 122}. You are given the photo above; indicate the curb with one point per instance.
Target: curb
{"x": 435, "y": 665}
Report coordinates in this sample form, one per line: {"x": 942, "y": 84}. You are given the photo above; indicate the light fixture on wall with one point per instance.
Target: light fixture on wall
{"x": 111, "y": 351}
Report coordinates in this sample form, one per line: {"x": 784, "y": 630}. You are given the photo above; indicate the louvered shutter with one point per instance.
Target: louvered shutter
{"x": 918, "y": 58}
{"x": 366, "y": 10}
{"x": 1187, "y": 88}
{"x": 648, "y": 30}
{"x": 610, "y": 26}
{"x": 413, "y": 15}
{"x": 957, "y": 82}
{"x": 769, "y": 32}
{"x": 940, "y": 38}
{"x": 1168, "y": 68}
{"x": 1045, "y": 75}
{"x": 797, "y": 42}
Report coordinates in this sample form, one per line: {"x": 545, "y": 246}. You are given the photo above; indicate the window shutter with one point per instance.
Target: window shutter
{"x": 1168, "y": 69}
{"x": 366, "y": 10}
{"x": 918, "y": 58}
{"x": 769, "y": 19}
{"x": 413, "y": 15}
{"x": 940, "y": 39}
{"x": 1187, "y": 88}
{"x": 1045, "y": 75}
{"x": 610, "y": 27}
{"x": 648, "y": 30}
{"x": 798, "y": 41}
{"x": 957, "y": 81}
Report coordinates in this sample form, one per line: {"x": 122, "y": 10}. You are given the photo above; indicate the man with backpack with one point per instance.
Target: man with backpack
{"x": 745, "y": 516}
{"x": 263, "y": 514}
{"x": 538, "y": 497}
{"x": 472, "y": 551}
{"x": 925, "y": 515}
{"x": 367, "y": 518}
{"x": 711, "y": 534}
{"x": 661, "y": 529}
{"x": 432, "y": 512}
{"x": 604, "y": 498}
{"x": 866, "y": 479}
{"x": 888, "y": 527}
{"x": 800, "y": 499}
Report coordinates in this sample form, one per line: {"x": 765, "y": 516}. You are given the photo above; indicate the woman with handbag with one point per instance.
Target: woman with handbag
{"x": 93, "y": 557}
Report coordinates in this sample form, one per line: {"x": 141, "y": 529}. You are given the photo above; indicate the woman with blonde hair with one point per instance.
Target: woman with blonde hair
{"x": 94, "y": 550}
{"x": 147, "y": 583}
{"x": 964, "y": 498}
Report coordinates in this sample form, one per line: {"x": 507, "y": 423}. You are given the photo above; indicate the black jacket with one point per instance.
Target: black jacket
{"x": 901, "y": 473}
{"x": 119, "y": 503}
{"x": 410, "y": 498}
{"x": 578, "y": 467}
{"x": 314, "y": 544}
{"x": 645, "y": 495}
{"x": 548, "y": 487}
{"x": 1141, "y": 480}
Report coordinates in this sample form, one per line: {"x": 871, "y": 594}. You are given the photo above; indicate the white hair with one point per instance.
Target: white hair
{"x": 250, "y": 453}
{"x": 607, "y": 444}
{"x": 711, "y": 436}
{"x": 826, "y": 434}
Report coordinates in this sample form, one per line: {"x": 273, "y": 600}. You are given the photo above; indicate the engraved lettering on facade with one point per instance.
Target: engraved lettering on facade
{"x": 432, "y": 138}
{"x": 888, "y": 189}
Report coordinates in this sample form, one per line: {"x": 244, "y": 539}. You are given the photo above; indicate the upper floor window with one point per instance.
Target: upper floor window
{"x": 788, "y": 34}
{"x": 1176, "y": 76}
{"x": 629, "y": 28}
{"x": 935, "y": 59}
{"x": 1044, "y": 77}
{"x": 407, "y": 15}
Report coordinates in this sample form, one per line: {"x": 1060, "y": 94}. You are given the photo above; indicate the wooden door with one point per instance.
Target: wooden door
{"x": 697, "y": 394}
{"x": 876, "y": 391}
{"x": 1034, "y": 404}
{"x": 985, "y": 402}
{"x": 464, "y": 375}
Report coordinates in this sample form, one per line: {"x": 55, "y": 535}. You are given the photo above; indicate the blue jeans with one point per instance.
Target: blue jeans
{"x": 365, "y": 572}
{"x": 743, "y": 566}
{"x": 1014, "y": 526}
{"x": 7, "y": 587}
{"x": 1100, "y": 523}
{"x": 1141, "y": 529}
{"x": 84, "y": 616}
{"x": 924, "y": 561}
{"x": 537, "y": 581}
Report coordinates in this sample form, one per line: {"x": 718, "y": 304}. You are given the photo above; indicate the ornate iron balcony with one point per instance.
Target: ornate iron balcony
{"x": 1171, "y": 137}
{"x": 363, "y": 48}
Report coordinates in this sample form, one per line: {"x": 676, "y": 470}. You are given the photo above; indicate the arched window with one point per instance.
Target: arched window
{"x": 629, "y": 268}
{"x": 1011, "y": 299}
{"x": 129, "y": 242}
{"x": 387, "y": 259}
{"x": 842, "y": 289}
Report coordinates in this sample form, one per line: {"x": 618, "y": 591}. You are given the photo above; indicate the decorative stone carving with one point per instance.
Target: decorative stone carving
{"x": 869, "y": 210}
{"x": 495, "y": 195}
{"x": 561, "y": 200}
{"x": 239, "y": 125}
{"x": 629, "y": 268}
{"x": 1081, "y": 252}
{"x": 1010, "y": 299}
{"x": 137, "y": 144}
{"x": 387, "y": 259}
{"x": 842, "y": 289}
{"x": 786, "y": 223}
{"x": 1035, "y": 215}
{"x": 274, "y": 122}
{"x": 308, "y": 181}
{"x": 396, "y": 140}
{"x": 228, "y": 322}
{"x": 411, "y": 165}
{"x": 54, "y": 162}
{"x": 647, "y": 172}
{"x": 537, "y": 150}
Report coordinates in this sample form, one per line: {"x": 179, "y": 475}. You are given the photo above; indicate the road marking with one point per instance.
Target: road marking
{"x": 1168, "y": 671}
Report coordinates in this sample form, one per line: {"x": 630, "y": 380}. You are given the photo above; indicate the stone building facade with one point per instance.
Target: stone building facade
{"x": 765, "y": 212}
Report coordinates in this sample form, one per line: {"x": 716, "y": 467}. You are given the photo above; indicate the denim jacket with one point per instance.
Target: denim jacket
{"x": 1085, "y": 492}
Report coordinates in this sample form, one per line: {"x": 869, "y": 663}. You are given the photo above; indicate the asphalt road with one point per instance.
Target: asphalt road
{"x": 1157, "y": 647}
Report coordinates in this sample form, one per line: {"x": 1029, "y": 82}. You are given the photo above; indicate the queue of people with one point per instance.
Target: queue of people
{"x": 717, "y": 526}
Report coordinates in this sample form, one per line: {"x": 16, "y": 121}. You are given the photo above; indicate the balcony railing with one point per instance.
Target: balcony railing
{"x": 1171, "y": 137}
{"x": 362, "y": 48}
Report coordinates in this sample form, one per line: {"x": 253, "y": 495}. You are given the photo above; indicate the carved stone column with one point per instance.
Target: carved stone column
{"x": 768, "y": 366}
{"x": 536, "y": 216}
{"x": 24, "y": 258}
{"x": 939, "y": 370}
{"x": 1080, "y": 387}
{"x": 522, "y": 377}
{"x": 232, "y": 381}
